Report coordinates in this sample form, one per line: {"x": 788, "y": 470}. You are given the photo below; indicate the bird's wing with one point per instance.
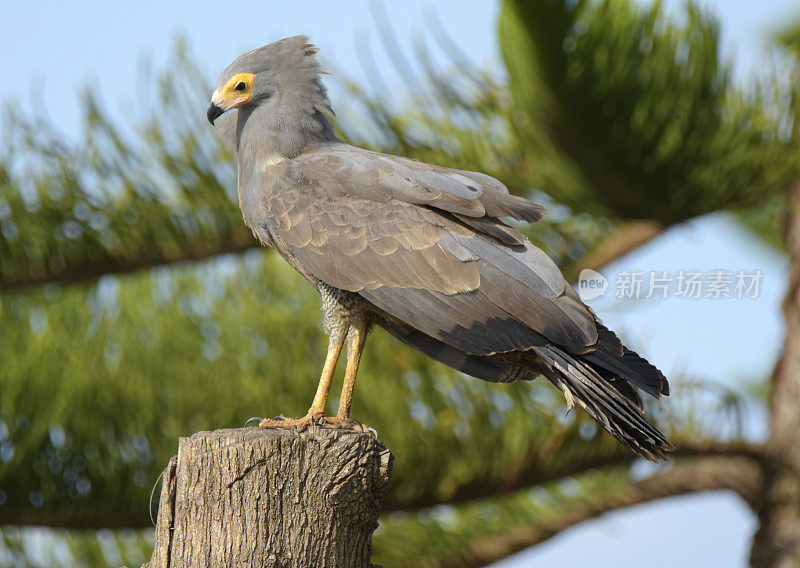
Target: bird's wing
{"x": 476, "y": 199}
{"x": 390, "y": 230}
{"x": 514, "y": 307}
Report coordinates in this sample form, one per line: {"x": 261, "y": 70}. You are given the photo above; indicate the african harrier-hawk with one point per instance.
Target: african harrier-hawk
{"x": 417, "y": 249}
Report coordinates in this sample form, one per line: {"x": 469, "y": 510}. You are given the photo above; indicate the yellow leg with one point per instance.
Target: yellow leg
{"x": 321, "y": 398}
{"x": 355, "y": 345}
{"x": 317, "y": 409}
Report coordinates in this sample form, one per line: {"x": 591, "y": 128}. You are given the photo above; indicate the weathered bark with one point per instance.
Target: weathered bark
{"x": 271, "y": 498}
{"x": 777, "y": 542}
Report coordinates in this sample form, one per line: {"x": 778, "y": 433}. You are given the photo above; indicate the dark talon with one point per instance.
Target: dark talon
{"x": 279, "y": 417}
{"x": 258, "y": 418}
{"x": 373, "y": 431}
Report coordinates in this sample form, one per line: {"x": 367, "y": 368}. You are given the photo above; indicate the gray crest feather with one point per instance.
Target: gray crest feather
{"x": 288, "y": 76}
{"x": 293, "y": 63}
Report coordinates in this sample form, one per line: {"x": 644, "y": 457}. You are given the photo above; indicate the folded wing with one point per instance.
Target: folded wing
{"x": 425, "y": 245}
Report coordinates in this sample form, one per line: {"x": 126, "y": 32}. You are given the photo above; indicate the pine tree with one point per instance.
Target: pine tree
{"x": 136, "y": 308}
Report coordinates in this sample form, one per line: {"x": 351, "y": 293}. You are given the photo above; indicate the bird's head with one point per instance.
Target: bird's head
{"x": 286, "y": 70}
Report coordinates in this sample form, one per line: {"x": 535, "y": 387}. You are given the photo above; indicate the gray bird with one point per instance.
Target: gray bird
{"x": 417, "y": 249}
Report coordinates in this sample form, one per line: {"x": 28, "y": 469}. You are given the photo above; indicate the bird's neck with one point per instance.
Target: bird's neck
{"x": 262, "y": 142}
{"x": 262, "y": 134}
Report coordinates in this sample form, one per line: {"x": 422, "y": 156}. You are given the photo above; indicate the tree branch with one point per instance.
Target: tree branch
{"x": 777, "y": 541}
{"x": 237, "y": 241}
{"x": 533, "y": 475}
{"x": 626, "y": 237}
{"x": 691, "y": 476}
{"x": 485, "y": 488}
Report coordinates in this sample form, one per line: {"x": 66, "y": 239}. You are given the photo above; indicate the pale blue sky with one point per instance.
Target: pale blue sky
{"x": 49, "y": 49}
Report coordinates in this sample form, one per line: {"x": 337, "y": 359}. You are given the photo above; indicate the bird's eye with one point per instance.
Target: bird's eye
{"x": 240, "y": 86}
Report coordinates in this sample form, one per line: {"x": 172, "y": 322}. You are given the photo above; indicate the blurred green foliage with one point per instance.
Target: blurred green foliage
{"x": 611, "y": 112}
{"x": 116, "y": 201}
{"x": 630, "y": 112}
{"x": 788, "y": 37}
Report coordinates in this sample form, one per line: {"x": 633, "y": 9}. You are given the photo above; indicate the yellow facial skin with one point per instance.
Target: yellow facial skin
{"x": 236, "y": 91}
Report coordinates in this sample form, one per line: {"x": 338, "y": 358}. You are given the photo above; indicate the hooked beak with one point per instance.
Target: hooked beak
{"x": 213, "y": 113}
{"x": 219, "y": 105}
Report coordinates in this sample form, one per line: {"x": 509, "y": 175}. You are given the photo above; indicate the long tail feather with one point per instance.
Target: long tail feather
{"x": 619, "y": 415}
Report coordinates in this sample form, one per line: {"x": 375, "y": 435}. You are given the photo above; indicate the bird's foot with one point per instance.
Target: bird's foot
{"x": 302, "y": 424}
{"x": 299, "y": 424}
{"x": 345, "y": 424}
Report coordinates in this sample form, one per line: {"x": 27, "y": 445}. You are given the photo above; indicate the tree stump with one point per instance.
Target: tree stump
{"x": 271, "y": 498}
